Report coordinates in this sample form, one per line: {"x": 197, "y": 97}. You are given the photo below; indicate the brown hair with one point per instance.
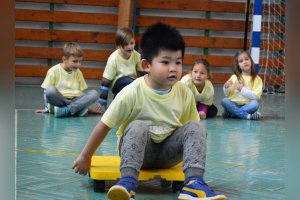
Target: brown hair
{"x": 205, "y": 63}
{"x": 123, "y": 36}
{"x": 236, "y": 68}
{"x": 72, "y": 49}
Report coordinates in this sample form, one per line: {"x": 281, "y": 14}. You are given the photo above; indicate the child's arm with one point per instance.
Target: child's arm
{"x": 202, "y": 110}
{"x": 227, "y": 86}
{"x": 104, "y": 88}
{"x": 248, "y": 93}
{"x": 82, "y": 163}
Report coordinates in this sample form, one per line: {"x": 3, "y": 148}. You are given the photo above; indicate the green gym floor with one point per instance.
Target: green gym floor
{"x": 245, "y": 159}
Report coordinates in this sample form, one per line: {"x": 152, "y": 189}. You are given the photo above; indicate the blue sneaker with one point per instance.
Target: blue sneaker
{"x": 61, "y": 111}
{"x": 124, "y": 189}
{"x": 198, "y": 190}
{"x": 82, "y": 113}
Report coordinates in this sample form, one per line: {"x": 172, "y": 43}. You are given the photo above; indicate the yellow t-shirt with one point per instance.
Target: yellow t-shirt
{"x": 164, "y": 113}
{"x": 236, "y": 96}
{"x": 69, "y": 84}
{"x": 206, "y": 96}
{"x": 117, "y": 66}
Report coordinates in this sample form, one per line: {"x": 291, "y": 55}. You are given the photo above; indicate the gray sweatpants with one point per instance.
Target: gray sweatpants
{"x": 55, "y": 98}
{"x": 187, "y": 144}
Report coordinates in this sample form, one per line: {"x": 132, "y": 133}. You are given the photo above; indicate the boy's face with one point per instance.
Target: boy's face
{"x": 72, "y": 63}
{"x": 165, "y": 69}
{"x": 127, "y": 50}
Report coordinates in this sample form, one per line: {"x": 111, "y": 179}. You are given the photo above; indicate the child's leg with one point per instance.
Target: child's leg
{"x": 187, "y": 143}
{"x": 121, "y": 83}
{"x": 192, "y": 138}
{"x": 250, "y": 107}
{"x": 84, "y": 101}
{"x": 242, "y": 112}
{"x": 233, "y": 109}
{"x": 132, "y": 147}
{"x": 212, "y": 111}
{"x": 138, "y": 151}
{"x": 194, "y": 156}
{"x": 55, "y": 98}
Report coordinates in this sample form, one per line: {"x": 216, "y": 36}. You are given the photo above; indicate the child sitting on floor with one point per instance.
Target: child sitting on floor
{"x": 122, "y": 66}
{"x": 243, "y": 90}
{"x": 64, "y": 86}
{"x": 203, "y": 90}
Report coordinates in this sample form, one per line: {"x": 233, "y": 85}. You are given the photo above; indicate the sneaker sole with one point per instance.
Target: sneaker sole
{"x": 188, "y": 197}
{"x": 84, "y": 113}
{"x": 117, "y": 192}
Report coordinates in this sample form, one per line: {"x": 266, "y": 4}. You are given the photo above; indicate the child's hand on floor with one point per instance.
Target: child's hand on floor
{"x": 41, "y": 111}
{"x": 202, "y": 115}
{"x": 81, "y": 165}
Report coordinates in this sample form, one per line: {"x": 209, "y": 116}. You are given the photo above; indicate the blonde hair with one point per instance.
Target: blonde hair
{"x": 72, "y": 49}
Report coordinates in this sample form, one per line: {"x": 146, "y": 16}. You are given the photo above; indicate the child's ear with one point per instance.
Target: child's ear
{"x": 145, "y": 65}
{"x": 64, "y": 58}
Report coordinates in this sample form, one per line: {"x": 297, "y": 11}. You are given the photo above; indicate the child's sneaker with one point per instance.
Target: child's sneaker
{"x": 82, "y": 113}
{"x": 199, "y": 190}
{"x": 124, "y": 189}
{"x": 255, "y": 116}
{"x": 61, "y": 111}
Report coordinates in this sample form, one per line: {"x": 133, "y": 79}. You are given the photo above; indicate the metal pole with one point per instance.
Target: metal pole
{"x": 246, "y": 25}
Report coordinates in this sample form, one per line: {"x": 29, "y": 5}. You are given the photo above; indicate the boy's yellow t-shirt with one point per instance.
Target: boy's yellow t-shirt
{"x": 117, "y": 66}
{"x": 236, "y": 96}
{"x": 206, "y": 96}
{"x": 69, "y": 84}
{"x": 164, "y": 113}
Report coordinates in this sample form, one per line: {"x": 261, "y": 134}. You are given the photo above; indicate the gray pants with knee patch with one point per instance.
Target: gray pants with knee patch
{"x": 187, "y": 144}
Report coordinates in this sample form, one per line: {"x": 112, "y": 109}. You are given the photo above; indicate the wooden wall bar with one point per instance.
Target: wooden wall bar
{"x": 30, "y": 40}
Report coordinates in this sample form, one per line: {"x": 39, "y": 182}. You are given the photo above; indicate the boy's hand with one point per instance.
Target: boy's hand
{"x": 41, "y": 110}
{"x": 81, "y": 165}
{"x": 202, "y": 115}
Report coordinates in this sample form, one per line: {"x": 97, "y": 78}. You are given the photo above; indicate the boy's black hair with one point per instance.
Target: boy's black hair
{"x": 158, "y": 37}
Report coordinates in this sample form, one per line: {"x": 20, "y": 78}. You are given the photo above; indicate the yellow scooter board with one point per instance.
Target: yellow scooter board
{"x": 104, "y": 168}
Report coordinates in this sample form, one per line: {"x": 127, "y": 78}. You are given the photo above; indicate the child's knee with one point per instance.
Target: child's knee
{"x": 93, "y": 94}
{"x": 196, "y": 128}
{"x": 225, "y": 101}
{"x": 51, "y": 90}
{"x": 255, "y": 104}
{"x": 136, "y": 132}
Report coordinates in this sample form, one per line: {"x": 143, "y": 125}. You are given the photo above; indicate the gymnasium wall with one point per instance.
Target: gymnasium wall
{"x": 212, "y": 29}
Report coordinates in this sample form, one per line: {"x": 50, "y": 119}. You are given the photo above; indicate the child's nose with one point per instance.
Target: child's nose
{"x": 173, "y": 67}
